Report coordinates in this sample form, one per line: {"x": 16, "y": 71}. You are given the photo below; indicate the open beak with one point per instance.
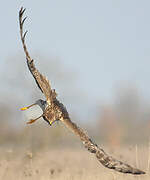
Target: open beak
{"x": 25, "y": 108}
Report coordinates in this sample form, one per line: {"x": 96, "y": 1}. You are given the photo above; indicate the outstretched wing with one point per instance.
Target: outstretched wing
{"x": 103, "y": 158}
{"x": 41, "y": 80}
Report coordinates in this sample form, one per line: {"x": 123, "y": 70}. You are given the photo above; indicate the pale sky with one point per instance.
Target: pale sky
{"x": 106, "y": 42}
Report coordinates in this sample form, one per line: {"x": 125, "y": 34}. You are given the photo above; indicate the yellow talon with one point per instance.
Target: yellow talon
{"x": 31, "y": 121}
{"x": 25, "y": 108}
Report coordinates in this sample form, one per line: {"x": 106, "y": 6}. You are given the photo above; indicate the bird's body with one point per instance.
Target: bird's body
{"x": 53, "y": 110}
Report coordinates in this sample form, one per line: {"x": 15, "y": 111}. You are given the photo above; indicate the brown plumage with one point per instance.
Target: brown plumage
{"x": 54, "y": 110}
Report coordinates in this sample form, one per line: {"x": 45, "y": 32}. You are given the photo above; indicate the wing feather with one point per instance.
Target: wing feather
{"x": 41, "y": 80}
{"x": 101, "y": 155}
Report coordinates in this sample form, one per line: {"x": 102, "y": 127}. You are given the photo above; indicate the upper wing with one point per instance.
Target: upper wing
{"x": 41, "y": 80}
{"x": 103, "y": 158}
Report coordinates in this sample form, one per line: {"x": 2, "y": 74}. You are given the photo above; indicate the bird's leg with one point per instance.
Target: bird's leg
{"x": 25, "y": 108}
{"x": 33, "y": 120}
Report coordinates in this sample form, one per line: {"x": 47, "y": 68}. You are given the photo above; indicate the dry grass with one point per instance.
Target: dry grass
{"x": 67, "y": 164}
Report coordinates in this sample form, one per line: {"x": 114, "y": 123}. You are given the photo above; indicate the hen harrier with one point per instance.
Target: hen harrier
{"x": 54, "y": 110}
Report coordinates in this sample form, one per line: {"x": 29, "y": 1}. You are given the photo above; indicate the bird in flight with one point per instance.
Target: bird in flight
{"x": 53, "y": 111}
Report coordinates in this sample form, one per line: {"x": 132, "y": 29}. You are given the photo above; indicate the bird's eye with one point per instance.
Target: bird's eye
{"x": 42, "y": 102}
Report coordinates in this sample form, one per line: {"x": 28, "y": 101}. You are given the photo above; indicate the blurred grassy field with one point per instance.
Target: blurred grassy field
{"x": 68, "y": 163}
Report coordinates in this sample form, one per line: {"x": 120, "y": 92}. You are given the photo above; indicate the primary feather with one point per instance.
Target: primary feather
{"x": 41, "y": 80}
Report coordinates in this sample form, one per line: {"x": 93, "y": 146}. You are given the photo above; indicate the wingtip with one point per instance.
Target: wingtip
{"x": 138, "y": 172}
{"x": 134, "y": 171}
{"x": 22, "y": 10}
